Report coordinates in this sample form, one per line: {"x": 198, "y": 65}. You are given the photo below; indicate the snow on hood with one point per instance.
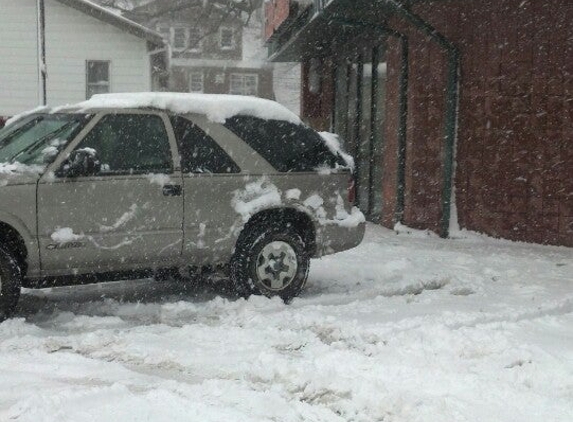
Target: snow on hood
{"x": 217, "y": 108}
{"x": 12, "y": 171}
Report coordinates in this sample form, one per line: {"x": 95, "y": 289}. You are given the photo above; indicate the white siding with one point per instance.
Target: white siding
{"x": 19, "y": 80}
{"x": 73, "y": 37}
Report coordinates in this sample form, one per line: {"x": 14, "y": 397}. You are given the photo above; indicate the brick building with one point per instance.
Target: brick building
{"x": 458, "y": 111}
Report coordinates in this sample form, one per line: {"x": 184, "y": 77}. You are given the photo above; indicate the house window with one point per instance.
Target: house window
{"x": 220, "y": 78}
{"x": 227, "y": 38}
{"x": 196, "y": 82}
{"x": 97, "y": 77}
{"x": 195, "y": 39}
{"x": 179, "y": 38}
{"x": 244, "y": 84}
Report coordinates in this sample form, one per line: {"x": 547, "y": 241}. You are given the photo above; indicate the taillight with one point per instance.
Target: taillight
{"x": 351, "y": 190}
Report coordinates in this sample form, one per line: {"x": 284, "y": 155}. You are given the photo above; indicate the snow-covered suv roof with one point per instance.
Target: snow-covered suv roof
{"x": 217, "y": 108}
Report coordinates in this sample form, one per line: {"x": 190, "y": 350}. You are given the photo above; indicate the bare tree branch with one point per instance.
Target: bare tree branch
{"x": 239, "y": 9}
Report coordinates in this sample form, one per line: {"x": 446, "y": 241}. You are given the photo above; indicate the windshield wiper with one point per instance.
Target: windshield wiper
{"x": 6, "y": 141}
{"x": 40, "y": 142}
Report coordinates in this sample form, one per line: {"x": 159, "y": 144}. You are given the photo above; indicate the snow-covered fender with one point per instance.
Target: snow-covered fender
{"x": 334, "y": 221}
{"x": 286, "y": 209}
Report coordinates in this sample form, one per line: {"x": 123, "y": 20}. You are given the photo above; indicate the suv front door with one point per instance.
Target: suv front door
{"x": 127, "y": 215}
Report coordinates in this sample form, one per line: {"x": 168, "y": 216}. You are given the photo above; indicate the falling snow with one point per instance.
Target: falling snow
{"x": 403, "y": 328}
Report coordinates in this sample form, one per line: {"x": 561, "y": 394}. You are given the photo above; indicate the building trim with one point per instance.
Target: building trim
{"x": 120, "y": 22}
{"x": 220, "y": 63}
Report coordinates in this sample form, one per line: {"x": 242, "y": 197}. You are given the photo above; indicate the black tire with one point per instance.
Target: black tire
{"x": 251, "y": 245}
{"x": 10, "y": 283}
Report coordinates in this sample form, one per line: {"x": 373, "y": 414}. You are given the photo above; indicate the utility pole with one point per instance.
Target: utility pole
{"x": 42, "y": 52}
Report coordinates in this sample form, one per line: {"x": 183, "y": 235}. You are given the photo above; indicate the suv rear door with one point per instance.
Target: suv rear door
{"x": 215, "y": 164}
{"x": 129, "y": 215}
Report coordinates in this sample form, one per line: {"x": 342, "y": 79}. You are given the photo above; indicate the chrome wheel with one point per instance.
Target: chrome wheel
{"x": 276, "y": 265}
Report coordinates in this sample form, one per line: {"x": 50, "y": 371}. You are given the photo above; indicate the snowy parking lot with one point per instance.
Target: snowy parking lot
{"x": 406, "y": 327}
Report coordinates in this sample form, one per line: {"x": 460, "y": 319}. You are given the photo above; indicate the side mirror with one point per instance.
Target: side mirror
{"x": 81, "y": 163}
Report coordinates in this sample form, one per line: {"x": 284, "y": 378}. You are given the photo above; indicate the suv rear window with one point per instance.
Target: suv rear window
{"x": 286, "y": 146}
{"x": 199, "y": 152}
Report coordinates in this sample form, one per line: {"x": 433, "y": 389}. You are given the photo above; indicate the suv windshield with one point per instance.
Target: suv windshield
{"x": 37, "y": 139}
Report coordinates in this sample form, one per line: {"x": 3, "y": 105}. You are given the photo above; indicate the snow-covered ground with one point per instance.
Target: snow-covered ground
{"x": 404, "y": 328}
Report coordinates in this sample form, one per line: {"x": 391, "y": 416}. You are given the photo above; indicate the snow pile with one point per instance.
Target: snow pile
{"x": 399, "y": 329}
{"x": 333, "y": 143}
{"x": 293, "y": 194}
{"x": 255, "y": 197}
{"x": 14, "y": 169}
{"x": 262, "y": 194}
{"x": 65, "y": 235}
{"x": 217, "y": 108}
{"x": 354, "y": 219}
{"x": 90, "y": 151}
{"x": 11, "y": 170}
{"x": 400, "y": 228}
{"x": 344, "y": 219}
{"x": 159, "y": 179}
{"x": 314, "y": 201}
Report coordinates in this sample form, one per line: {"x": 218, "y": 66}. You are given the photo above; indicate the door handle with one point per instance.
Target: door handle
{"x": 172, "y": 190}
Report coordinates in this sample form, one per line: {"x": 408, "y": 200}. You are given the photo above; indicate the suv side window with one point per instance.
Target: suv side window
{"x": 199, "y": 152}
{"x": 130, "y": 144}
{"x": 286, "y": 146}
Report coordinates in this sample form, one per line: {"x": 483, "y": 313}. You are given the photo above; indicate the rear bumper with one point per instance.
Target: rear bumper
{"x": 332, "y": 239}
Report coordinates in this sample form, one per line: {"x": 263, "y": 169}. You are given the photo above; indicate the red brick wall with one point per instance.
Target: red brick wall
{"x": 424, "y": 149}
{"x": 514, "y": 174}
{"x": 276, "y": 12}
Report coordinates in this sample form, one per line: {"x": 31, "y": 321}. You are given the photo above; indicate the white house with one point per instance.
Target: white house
{"x": 63, "y": 51}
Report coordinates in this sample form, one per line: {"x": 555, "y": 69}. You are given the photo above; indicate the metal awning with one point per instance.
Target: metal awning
{"x": 318, "y": 32}
{"x": 318, "y": 37}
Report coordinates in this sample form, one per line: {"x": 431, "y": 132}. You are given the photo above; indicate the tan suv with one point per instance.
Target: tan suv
{"x": 130, "y": 184}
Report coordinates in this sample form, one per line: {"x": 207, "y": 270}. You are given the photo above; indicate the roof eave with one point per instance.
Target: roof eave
{"x": 312, "y": 34}
{"x": 118, "y": 21}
